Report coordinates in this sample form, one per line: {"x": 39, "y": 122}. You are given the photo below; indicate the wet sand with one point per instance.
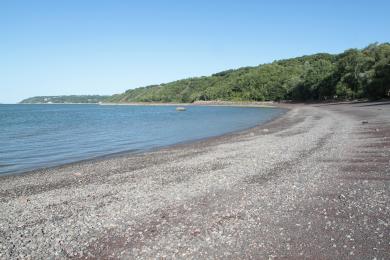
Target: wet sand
{"x": 313, "y": 183}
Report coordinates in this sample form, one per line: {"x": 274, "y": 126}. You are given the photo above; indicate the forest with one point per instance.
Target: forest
{"x": 353, "y": 74}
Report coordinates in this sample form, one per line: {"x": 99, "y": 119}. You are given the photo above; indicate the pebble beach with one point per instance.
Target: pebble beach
{"x": 313, "y": 183}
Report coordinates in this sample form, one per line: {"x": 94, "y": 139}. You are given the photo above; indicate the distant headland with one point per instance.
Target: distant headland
{"x": 71, "y": 99}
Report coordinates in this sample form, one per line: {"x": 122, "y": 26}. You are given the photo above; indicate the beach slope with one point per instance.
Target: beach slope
{"x": 312, "y": 183}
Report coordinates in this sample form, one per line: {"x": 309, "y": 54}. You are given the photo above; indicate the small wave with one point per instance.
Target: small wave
{"x": 3, "y": 165}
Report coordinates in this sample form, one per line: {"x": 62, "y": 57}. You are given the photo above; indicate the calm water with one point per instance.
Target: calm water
{"x": 36, "y": 136}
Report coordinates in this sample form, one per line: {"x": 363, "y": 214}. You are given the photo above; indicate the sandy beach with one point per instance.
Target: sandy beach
{"x": 313, "y": 183}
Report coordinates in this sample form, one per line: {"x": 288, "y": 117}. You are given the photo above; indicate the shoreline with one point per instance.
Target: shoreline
{"x": 135, "y": 152}
{"x": 199, "y": 103}
{"x": 314, "y": 185}
{"x": 196, "y": 103}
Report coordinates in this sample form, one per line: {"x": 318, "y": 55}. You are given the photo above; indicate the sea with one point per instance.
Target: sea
{"x": 35, "y": 136}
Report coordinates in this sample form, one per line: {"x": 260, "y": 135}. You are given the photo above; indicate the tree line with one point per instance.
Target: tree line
{"x": 353, "y": 74}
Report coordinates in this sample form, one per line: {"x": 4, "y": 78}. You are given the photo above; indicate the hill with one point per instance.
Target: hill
{"x": 355, "y": 73}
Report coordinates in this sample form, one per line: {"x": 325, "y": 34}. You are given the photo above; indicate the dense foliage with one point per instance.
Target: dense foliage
{"x": 65, "y": 99}
{"x": 356, "y": 73}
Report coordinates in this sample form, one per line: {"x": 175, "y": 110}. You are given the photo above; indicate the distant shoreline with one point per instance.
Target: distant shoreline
{"x": 53, "y": 104}
{"x": 196, "y": 103}
{"x": 199, "y": 103}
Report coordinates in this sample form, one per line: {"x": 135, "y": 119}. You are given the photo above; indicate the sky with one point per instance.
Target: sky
{"x": 106, "y": 47}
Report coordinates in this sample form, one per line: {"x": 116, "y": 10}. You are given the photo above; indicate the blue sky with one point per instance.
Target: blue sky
{"x": 105, "y": 47}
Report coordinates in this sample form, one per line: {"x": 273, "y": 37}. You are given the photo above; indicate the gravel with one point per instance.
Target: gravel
{"x": 313, "y": 183}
